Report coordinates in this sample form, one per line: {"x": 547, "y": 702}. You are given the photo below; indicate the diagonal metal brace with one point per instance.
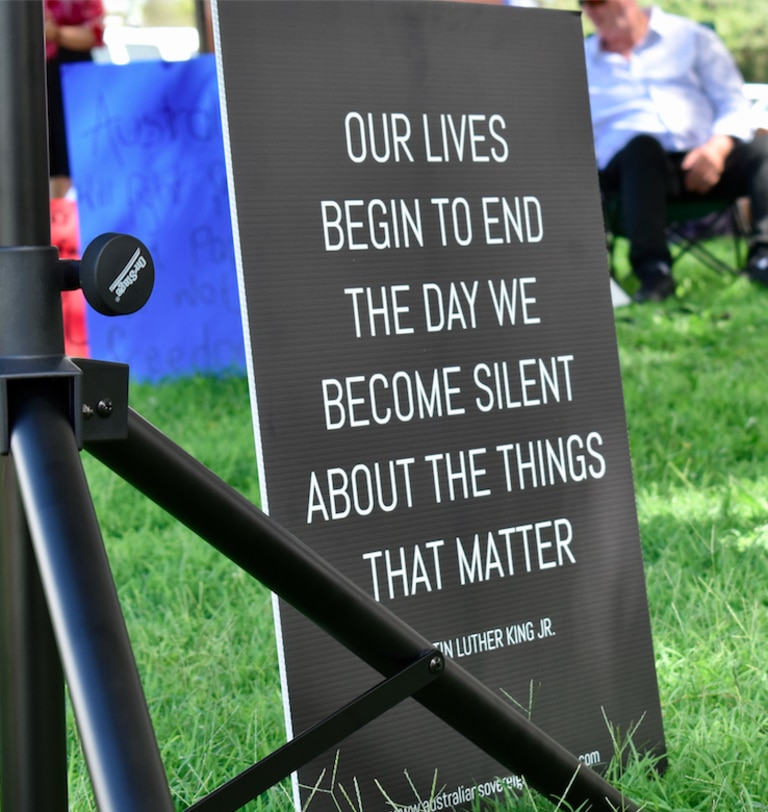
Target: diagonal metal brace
{"x": 324, "y": 735}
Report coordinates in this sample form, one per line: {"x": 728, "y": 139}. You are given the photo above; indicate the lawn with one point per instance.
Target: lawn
{"x": 694, "y": 373}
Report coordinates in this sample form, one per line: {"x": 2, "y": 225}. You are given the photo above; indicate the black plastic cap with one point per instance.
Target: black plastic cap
{"x": 117, "y": 274}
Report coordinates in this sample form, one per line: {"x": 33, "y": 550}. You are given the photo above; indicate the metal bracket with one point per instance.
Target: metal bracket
{"x": 98, "y": 395}
{"x": 324, "y": 735}
{"x": 13, "y": 370}
{"x": 103, "y": 408}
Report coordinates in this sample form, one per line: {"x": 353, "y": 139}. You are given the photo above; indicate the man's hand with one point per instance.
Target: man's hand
{"x": 703, "y": 166}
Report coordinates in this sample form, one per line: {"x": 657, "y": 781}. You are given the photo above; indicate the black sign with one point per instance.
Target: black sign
{"x": 435, "y": 380}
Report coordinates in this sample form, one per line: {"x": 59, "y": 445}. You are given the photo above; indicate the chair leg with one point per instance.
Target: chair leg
{"x": 610, "y": 244}
{"x": 705, "y": 256}
{"x": 741, "y": 223}
{"x": 686, "y": 244}
{"x": 739, "y": 220}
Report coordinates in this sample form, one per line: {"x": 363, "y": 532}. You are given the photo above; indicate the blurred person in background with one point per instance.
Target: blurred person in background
{"x": 670, "y": 122}
{"x": 72, "y": 29}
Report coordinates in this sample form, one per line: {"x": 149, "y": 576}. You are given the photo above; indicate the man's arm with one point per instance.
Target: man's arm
{"x": 723, "y": 84}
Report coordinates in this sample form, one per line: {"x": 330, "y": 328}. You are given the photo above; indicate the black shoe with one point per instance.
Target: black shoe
{"x": 757, "y": 268}
{"x": 656, "y": 283}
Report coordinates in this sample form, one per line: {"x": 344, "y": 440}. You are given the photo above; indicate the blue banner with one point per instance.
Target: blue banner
{"x": 148, "y": 160}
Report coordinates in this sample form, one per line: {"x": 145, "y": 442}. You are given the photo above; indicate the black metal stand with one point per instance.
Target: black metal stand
{"x": 59, "y": 607}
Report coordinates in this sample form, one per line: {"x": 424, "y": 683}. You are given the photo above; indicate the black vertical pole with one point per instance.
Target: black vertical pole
{"x": 44, "y": 498}
{"x": 32, "y": 718}
{"x": 115, "y": 728}
{"x": 32, "y": 708}
{"x": 24, "y": 206}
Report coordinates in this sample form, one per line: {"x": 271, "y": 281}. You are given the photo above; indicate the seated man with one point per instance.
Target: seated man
{"x": 670, "y": 121}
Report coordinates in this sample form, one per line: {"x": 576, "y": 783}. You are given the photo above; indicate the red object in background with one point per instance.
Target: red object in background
{"x": 65, "y": 235}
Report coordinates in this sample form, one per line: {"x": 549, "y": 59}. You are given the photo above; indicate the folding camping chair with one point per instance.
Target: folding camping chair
{"x": 689, "y": 224}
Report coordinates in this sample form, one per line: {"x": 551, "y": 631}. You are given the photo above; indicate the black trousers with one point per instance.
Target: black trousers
{"x": 58, "y": 147}
{"x": 644, "y": 178}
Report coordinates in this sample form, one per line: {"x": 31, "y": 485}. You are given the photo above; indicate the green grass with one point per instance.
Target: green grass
{"x": 694, "y": 377}
{"x": 694, "y": 371}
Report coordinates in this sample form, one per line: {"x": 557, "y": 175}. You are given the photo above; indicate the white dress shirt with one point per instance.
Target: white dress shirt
{"x": 680, "y": 84}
